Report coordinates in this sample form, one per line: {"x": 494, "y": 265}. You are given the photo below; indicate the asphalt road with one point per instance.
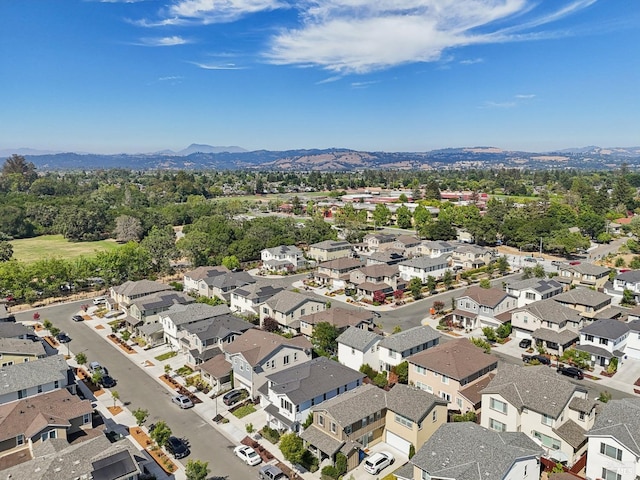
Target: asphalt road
{"x": 138, "y": 390}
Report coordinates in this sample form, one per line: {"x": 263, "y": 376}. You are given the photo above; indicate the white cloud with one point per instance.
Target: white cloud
{"x": 525, "y": 96}
{"x": 363, "y": 84}
{"x": 171, "y": 78}
{"x": 211, "y": 66}
{"x": 490, "y": 104}
{"x": 472, "y": 61}
{"x": 163, "y": 41}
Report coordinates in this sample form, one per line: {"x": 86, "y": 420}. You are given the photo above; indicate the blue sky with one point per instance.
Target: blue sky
{"x": 395, "y": 75}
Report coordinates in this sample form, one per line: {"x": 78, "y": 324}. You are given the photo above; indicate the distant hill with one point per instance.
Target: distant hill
{"x": 200, "y": 157}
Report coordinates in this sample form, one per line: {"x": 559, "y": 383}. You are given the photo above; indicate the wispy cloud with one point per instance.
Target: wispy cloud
{"x": 363, "y": 84}
{"x": 163, "y": 41}
{"x": 525, "y": 96}
{"x": 212, "y": 66}
{"x": 520, "y": 99}
{"x": 471, "y": 61}
{"x": 335, "y": 78}
{"x": 490, "y": 104}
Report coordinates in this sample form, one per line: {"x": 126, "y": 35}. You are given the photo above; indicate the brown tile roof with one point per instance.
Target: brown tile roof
{"x": 30, "y": 415}
{"x": 339, "y": 317}
{"x": 485, "y": 296}
{"x": 341, "y": 263}
{"x": 255, "y": 345}
{"x": 380, "y": 270}
{"x": 457, "y": 359}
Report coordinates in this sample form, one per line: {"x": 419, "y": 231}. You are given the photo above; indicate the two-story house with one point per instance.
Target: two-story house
{"x": 146, "y": 309}
{"x": 256, "y": 354}
{"x": 604, "y": 340}
{"x": 175, "y": 320}
{"x": 289, "y": 395}
{"x": 548, "y": 408}
{"x": 533, "y": 290}
{"x": 466, "y": 451}
{"x": 15, "y": 330}
{"x": 340, "y": 318}
{"x": 435, "y": 248}
{"x": 203, "y": 340}
{"x": 376, "y": 278}
{"x": 28, "y": 379}
{"x": 451, "y": 371}
{"x": 614, "y": 441}
{"x": 408, "y": 244}
{"x": 632, "y": 350}
{"x": 629, "y": 280}
{"x": 223, "y": 284}
{"x": 391, "y": 256}
{"x": 357, "y": 347}
{"x": 470, "y": 256}
{"x": 378, "y": 241}
{"x": 125, "y": 294}
{"x": 16, "y": 350}
{"x": 589, "y": 303}
{"x": 329, "y": 250}
{"x": 247, "y": 300}
{"x": 191, "y": 279}
{"x": 284, "y": 258}
{"x": 423, "y": 267}
{"x": 583, "y": 274}
{"x": 288, "y": 307}
{"x": 548, "y": 324}
{"x": 336, "y": 272}
{"x": 479, "y": 307}
{"x": 397, "y": 347}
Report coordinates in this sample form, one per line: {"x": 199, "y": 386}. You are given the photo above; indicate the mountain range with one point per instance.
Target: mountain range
{"x": 200, "y": 156}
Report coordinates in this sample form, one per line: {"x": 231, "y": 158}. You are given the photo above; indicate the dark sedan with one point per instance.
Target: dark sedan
{"x": 107, "y": 381}
{"x": 77, "y": 318}
{"x": 63, "y": 337}
{"x": 177, "y": 447}
{"x": 574, "y": 372}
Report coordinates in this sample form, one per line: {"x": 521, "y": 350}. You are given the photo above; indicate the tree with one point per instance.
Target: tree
{"x": 402, "y": 371}
{"x": 415, "y": 287}
{"x": 231, "y": 262}
{"x": 489, "y": 333}
{"x": 538, "y": 271}
{"x": 127, "y": 229}
{"x": 161, "y": 433}
{"x": 6, "y": 251}
{"x": 379, "y": 297}
{"x": 197, "y": 470}
{"x": 432, "y": 190}
{"x": 403, "y": 198}
{"x": 341, "y": 463}
{"x": 503, "y": 264}
{"x": 270, "y": 324}
{"x": 140, "y": 415}
{"x": 627, "y": 297}
{"x": 54, "y": 331}
{"x": 323, "y": 339}
{"x": 504, "y": 330}
{"x": 81, "y": 358}
{"x": 380, "y": 380}
{"x": 381, "y": 215}
{"x": 438, "y": 306}
{"x": 447, "y": 279}
{"x": 96, "y": 378}
{"x": 485, "y": 283}
{"x": 115, "y": 396}
{"x": 160, "y": 242}
{"x": 403, "y": 217}
{"x": 292, "y": 447}
{"x": 398, "y": 294}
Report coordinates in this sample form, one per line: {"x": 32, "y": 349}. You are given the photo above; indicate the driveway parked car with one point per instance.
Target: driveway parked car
{"x": 247, "y": 454}
{"x": 378, "y": 462}
{"x": 271, "y": 472}
{"x": 63, "y": 337}
{"x": 177, "y": 447}
{"x": 182, "y": 401}
{"x": 540, "y": 358}
{"x": 107, "y": 381}
{"x": 234, "y": 396}
{"x": 574, "y": 372}
{"x": 99, "y": 300}
{"x": 525, "y": 343}
{"x": 94, "y": 366}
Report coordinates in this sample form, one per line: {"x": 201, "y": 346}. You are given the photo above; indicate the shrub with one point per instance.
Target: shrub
{"x": 489, "y": 333}
{"x": 478, "y": 342}
{"x": 504, "y": 330}
{"x": 270, "y": 434}
{"x": 380, "y": 380}
{"x": 412, "y": 451}
{"x": 465, "y": 417}
{"x": 341, "y": 463}
{"x": 329, "y": 471}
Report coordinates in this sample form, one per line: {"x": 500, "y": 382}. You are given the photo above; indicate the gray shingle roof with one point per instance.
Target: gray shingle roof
{"x": 339, "y": 317}
{"x": 414, "y": 337}
{"x": 424, "y": 261}
{"x": 351, "y": 406}
{"x": 358, "y": 338}
{"x": 606, "y": 328}
{"x": 540, "y": 285}
{"x": 13, "y": 330}
{"x": 159, "y": 300}
{"x": 331, "y": 244}
{"x": 140, "y": 287}
{"x": 572, "y": 433}
{"x": 411, "y": 402}
{"x": 255, "y": 345}
{"x": 537, "y": 388}
{"x": 286, "y": 301}
{"x": 343, "y": 263}
{"x": 226, "y": 280}
{"x": 620, "y": 419}
{"x": 194, "y": 312}
{"x": 565, "y": 337}
{"x": 204, "y": 272}
{"x": 467, "y": 451}
{"x": 326, "y": 443}
{"x": 632, "y": 276}
{"x": 485, "y": 296}
{"x": 586, "y": 268}
{"x": 31, "y": 374}
{"x": 258, "y": 291}
{"x": 218, "y": 327}
{"x": 284, "y": 250}
{"x": 583, "y": 296}
{"x": 19, "y": 346}
{"x": 551, "y": 311}
{"x": 312, "y": 378}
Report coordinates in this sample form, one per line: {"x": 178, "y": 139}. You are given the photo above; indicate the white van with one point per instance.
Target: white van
{"x": 99, "y": 300}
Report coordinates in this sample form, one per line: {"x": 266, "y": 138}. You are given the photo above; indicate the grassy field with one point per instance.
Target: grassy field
{"x": 32, "y": 249}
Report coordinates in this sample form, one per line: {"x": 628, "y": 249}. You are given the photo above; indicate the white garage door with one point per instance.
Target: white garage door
{"x": 397, "y": 442}
{"x": 520, "y": 334}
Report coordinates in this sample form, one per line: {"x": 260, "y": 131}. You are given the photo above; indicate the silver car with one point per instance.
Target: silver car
{"x": 182, "y": 401}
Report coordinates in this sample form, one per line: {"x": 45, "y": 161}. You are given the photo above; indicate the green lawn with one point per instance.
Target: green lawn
{"x": 244, "y": 411}
{"x": 32, "y": 249}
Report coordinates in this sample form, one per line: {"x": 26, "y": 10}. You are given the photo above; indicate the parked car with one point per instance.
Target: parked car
{"x": 95, "y": 366}
{"x": 63, "y": 337}
{"x": 107, "y": 381}
{"x": 247, "y": 454}
{"x": 525, "y": 343}
{"x": 182, "y": 401}
{"x": 540, "y": 358}
{"x": 99, "y": 300}
{"x": 378, "y": 462}
{"x": 177, "y": 447}
{"x": 574, "y": 372}
{"x": 77, "y": 318}
{"x": 530, "y": 259}
{"x": 234, "y": 396}
{"x": 271, "y": 472}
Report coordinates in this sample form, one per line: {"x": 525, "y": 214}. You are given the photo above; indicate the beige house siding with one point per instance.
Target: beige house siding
{"x": 418, "y": 434}
{"x": 7, "y": 359}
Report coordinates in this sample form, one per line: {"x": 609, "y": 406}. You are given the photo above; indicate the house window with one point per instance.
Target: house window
{"x": 302, "y": 311}
{"x": 321, "y": 420}
{"x": 581, "y": 416}
{"x": 39, "y": 388}
{"x": 285, "y": 360}
{"x": 610, "y": 475}
{"x": 49, "y": 434}
{"x": 445, "y": 379}
{"x": 434, "y": 416}
{"x": 353, "y": 351}
{"x": 445, "y": 396}
{"x": 365, "y": 421}
{"x": 288, "y": 406}
{"x": 604, "y": 341}
{"x": 56, "y": 384}
{"x": 20, "y": 440}
{"x": 86, "y": 418}
{"x": 333, "y": 427}
{"x": 459, "y": 402}
{"x": 547, "y": 441}
{"x": 496, "y": 425}
{"x": 22, "y": 393}
{"x": 497, "y": 405}
{"x": 588, "y": 338}
{"x": 547, "y": 420}
{"x": 347, "y": 429}
{"x": 610, "y": 451}
{"x": 420, "y": 370}
{"x": 392, "y": 354}
{"x": 295, "y": 356}
{"x": 403, "y": 421}
{"x": 424, "y": 475}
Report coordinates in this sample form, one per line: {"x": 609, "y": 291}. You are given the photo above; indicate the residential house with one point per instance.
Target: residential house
{"x": 15, "y": 330}
{"x": 629, "y": 280}
{"x": 284, "y": 258}
{"x": 175, "y": 320}
{"x": 256, "y": 354}
{"x": 329, "y": 250}
{"x": 448, "y": 369}
{"x": 423, "y": 267}
{"x": 336, "y": 272}
{"x": 408, "y": 244}
{"x": 589, "y": 303}
{"x": 547, "y": 407}
{"x": 289, "y": 395}
{"x": 287, "y": 307}
{"x": 203, "y": 340}
{"x": 583, "y": 274}
{"x": 146, "y": 309}
{"x": 479, "y": 307}
{"x": 470, "y": 256}
{"x": 191, "y": 279}
{"x": 397, "y": 347}
{"x": 533, "y": 290}
{"x": 614, "y": 441}
{"x": 248, "y": 299}
{"x": 386, "y": 257}
{"x": 341, "y": 318}
{"x": 357, "y": 347}
{"x": 467, "y": 451}
{"x": 222, "y": 284}
{"x": 5, "y": 315}
{"x": 435, "y": 248}
{"x": 16, "y": 350}
{"x": 548, "y": 323}
{"x": 29, "y": 421}
{"x": 125, "y": 294}
{"x": 604, "y": 340}
{"x": 376, "y": 278}
{"x": 375, "y": 242}
{"x": 632, "y": 350}
{"x": 28, "y": 379}
{"x": 217, "y": 372}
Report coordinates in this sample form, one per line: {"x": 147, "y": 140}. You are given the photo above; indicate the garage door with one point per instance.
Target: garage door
{"x": 397, "y": 442}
